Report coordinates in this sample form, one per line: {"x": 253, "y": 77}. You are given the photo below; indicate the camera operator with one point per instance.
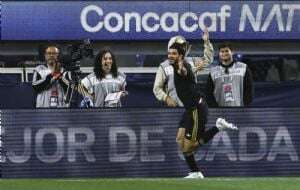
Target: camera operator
{"x": 48, "y": 81}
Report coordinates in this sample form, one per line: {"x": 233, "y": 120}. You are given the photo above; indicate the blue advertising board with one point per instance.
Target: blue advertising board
{"x": 133, "y": 142}
{"x": 149, "y": 20}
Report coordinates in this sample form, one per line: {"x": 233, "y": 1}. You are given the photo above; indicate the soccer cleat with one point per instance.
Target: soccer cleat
{"x": 194, "y": 175}
{"x": 222, "y": 125}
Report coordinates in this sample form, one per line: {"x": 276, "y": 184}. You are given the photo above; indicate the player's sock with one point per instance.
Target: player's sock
{"x": 208, "y": 135}
{"x": 190, "y": 160}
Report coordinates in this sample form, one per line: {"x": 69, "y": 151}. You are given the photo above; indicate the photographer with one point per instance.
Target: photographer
{"x": 48, "y": 81}
{"x": 106, "y": 84}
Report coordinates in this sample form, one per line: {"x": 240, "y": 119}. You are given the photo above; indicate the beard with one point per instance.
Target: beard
{"x": 51, "y": 62}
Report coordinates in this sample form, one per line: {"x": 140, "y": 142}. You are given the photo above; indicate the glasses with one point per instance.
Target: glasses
{"x": 52, "y": 53}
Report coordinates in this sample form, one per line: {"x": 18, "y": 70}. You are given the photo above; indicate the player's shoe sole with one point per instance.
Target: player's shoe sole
{"x": 222, "y": 125}
{"x": 195, "y": 175}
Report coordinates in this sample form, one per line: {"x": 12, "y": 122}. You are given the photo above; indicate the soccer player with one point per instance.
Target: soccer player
{"x": 191, "y": 132}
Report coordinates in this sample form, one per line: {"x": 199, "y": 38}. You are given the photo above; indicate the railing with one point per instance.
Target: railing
{"x": 25, "y": 72}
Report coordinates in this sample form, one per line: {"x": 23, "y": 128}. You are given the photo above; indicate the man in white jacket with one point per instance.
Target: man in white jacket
{"x": 164, "y": 89}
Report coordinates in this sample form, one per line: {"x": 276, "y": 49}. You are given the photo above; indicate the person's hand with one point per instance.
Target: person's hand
{"x": 56, "y": 75}
{"x": 205, "y": 35}
{"x": 200, "y": 64}
{"x": 124, "y": 93}
{"x": 170, "y": 102}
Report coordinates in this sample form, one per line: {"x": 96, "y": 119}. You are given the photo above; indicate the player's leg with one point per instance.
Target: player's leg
{"x": 184, "y": 144}
{"x": 188, "y": 148}
{"x": 205, "y": 136}
{"x": 195, "y": 135}
{"x": 181, "y": 130}
{"x": 221, "y": 125}
{"x": 180, "y": 138}
{"x": 191, "y": 143}
{"x": 187, "y": 145}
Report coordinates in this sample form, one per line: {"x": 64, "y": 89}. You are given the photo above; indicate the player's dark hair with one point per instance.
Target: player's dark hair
{"x": 98, "y": 64}
{"x": 225, "y": 45}
{"x": 179, "y": 48}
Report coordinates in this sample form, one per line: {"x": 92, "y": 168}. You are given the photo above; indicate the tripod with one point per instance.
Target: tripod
{"x": 72, "y": 95}
{"x": 75, "y": 92}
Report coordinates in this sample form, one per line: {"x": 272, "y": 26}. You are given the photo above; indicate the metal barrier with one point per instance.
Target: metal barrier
{"x": 141, "y": 143}
{"x": 25, "y": 72}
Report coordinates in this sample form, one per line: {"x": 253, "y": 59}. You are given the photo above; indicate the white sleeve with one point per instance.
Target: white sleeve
{"x": 123, "y": 83}
{"x": 86, "y": 82}
{"x": 208, "y": 53}
{"x": 158, "y": 88}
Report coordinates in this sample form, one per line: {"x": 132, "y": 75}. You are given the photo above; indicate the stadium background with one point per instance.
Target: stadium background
{"x": 270, "y": 127}
{"x": 272, "y": 53}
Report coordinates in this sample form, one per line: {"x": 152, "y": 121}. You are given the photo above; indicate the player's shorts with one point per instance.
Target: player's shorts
{"x": 194, "y": 120}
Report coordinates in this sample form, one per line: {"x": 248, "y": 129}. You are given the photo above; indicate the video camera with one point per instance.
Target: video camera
{"x": 71, "y": 61}
{"x": 76, "y": 52}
